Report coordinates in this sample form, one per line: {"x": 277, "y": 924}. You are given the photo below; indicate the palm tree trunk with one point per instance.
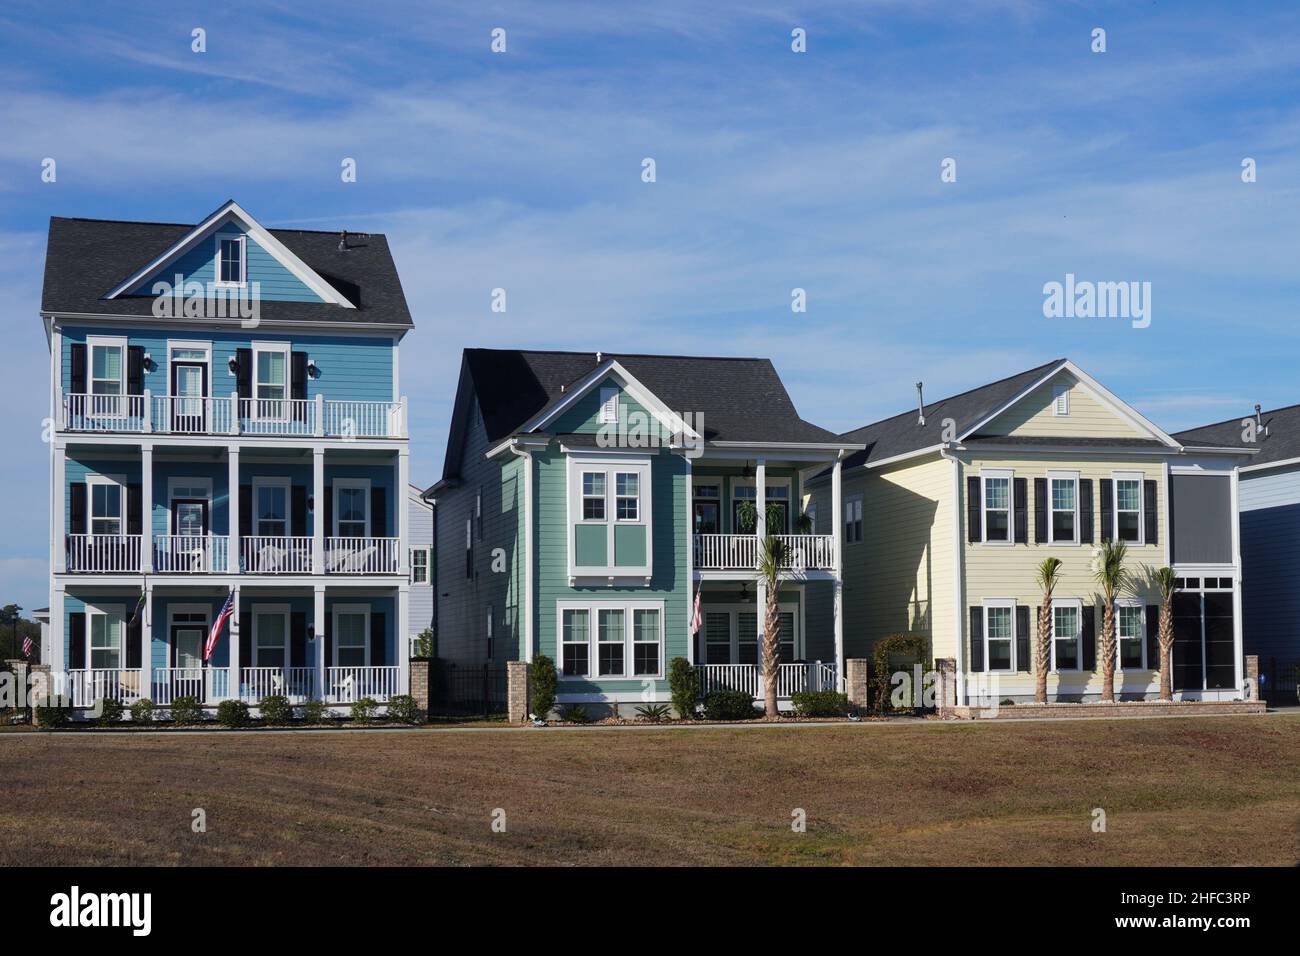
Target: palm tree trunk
{"x": 1042, "y": 650}
{"x": 1107, "y": 651}
{"x": 771, "y": 651}
{"x": 1166, "y": 648}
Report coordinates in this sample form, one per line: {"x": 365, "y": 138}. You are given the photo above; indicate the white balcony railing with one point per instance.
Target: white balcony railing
{"x": 87, "y": 685}
{"x": 296, "y": 683}
{"x": 190, "y": 553}
{"x": 262, "y": 554}
{"x": 103, "y": 553}
{"x": 204, "y": 684}
{"x": 185, "y": 415}
{"x": 790, "y": 678}
{"x": 739, "y": 552}
{"x": 357, "y": 419}
{"x": 346, "y": 685}
{"x": 362, "y": 555}
{"x": 103, "y": 413}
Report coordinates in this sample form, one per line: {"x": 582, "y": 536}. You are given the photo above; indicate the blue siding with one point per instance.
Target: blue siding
{"x": 1270, "y": 557}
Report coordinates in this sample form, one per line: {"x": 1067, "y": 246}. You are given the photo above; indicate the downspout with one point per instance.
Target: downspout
{"x": 527, "y": 456}
{"x": 958, "y": 556}
{"x": 433, "y": 577}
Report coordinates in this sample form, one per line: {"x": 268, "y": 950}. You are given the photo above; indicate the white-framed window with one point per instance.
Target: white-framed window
{"x": 707, "y": 505}
{"x": 1067, "y": 625}
{"x": 351, "y": 635}
{"x": 611, "y": 639}
{"x": 107, "y": 632}
{"x": 270, "y": 379}
{"x": 270, "y": 635}
{"x": 421, "y": 559}
{"x": 853, "y": 519}
{"x": 106, "y": 503}
{"x": 1063, "y": 507}
{"x": 189, "y": 503}
{"x": 627, "y": 496}
{"x": 1000, "y": 636}
{"x": 593, "y": 496}
{"x": 1130, "y": 630}
{"x": 352, "y": 507}
{"x": 231, "y": 267}
{"x": 1060, "y": 400}
{"x": 995, "y": 496}
{"x": 608, "y": 406}
{"x": 1128, "y": 507}
{"x": 107, "y": 372}
{"x": 271, "y": 507}
{"x": 731, "y": 633}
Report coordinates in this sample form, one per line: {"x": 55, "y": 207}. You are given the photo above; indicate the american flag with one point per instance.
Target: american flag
{"x": 695, "y": 617}
{"x": 227, "y": 609}
{"x": 27, "y": 646}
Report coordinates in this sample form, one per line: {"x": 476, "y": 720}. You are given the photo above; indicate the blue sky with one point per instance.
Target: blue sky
{"x": 775, "y": 170}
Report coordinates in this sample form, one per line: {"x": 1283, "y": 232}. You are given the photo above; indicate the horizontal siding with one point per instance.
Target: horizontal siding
{"x": 419, "y": 526}
{"x": 1271, "y": 489}
{"x": 1089, "y": 417}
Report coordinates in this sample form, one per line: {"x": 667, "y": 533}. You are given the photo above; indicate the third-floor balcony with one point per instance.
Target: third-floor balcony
{"x": 191, "y": 554}
{"x": 739, "y": 552}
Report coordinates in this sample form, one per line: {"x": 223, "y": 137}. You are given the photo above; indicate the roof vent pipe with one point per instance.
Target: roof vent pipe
{"x": 1260, "y": 428}
{"x": 598, "y": 354}
{"x": 920, "y": 401}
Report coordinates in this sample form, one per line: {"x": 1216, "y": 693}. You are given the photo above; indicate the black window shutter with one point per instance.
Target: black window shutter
{"x": 298, "y": 639}
{"x": 1022, "y": 638}
{"x": 1153, "y": 637}
{"x": 1020, "y": 495}
{"x": 329, "y": 510}
{"x": 329, "y": 643}
{"x": 973, "y": 530}
{"x": 1040, "y": 510}
{"x": 134, "y": 633}
{"x": 244, "y": 372}
{"x": 377, "y": 636}
{"x": 245, "y": 645}
{"x": 976, "y": 639}
{"x": 134, "y": 509}
{"x": 298, "y": 383}
{"x": 298, "y": 507}
{"x": 1085, "y": 510}
{"x": 77, "y": 508}
{"x": 77, "y": 640}
{"x": 245, "y": 510}
{"x": 1107, "y": 509}
{"x": 1149, "y": 514}
{"x": 135, "y": 369}
{"x": 78, "y": 383}
{"x": 1088, "y": 635}
{"x": 379, "y": 512}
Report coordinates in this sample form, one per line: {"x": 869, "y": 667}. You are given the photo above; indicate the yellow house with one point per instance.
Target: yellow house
{"x": 951, "y": 507}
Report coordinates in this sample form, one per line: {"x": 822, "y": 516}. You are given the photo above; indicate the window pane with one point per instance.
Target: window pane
{"x": 1128, "y": 493}
{"x": 999, "y": 655}
{"x": 270, "y": 368}
{"x": 995, "y": 492}
{"x": 645, "y": 635}
{"x": 1128, "y": 526}
{"x": 593, "y": 509}
{"x": 626, "y": 483}
{"x": 576, "y": 650}
{"x": 106, "y": 362}
{"x": 593, "y": 483}
{"x": 1062, "y": 494}
{"x": 999, "y": 622}
{"x": 1062, "y": 525}
{"x": 997, "y": 525}
{"x": 351, "y": 630}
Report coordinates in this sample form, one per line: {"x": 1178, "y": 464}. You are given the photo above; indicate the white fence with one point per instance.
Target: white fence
{"x": 209, "y": 685}
{"x": 790, "y": 678}
{"x": 739, "y": 552}
{"x": 106, "y": 553}
{"x": 345, "y": 685}
{"x": 296, "y": 683}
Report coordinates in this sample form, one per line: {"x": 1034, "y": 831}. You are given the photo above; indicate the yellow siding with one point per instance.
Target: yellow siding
{"x": 1088, "y": 416}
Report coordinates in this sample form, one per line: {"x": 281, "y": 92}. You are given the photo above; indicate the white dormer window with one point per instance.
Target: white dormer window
{"x": 1060, "y": 400}
{"x": 231, "y": 260}
{"x": 608, "y": 406}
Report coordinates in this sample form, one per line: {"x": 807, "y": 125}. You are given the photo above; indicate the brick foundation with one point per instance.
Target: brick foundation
{"x": 1137, "y": 708}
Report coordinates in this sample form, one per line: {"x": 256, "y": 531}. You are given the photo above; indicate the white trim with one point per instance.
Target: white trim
{"x": 643, "y": 396}
{"x": 124, "y": 518}
{"x": 258, "y": 610}
{"x": 593, "y": 607}
{"x": 1140, "y": 477}
{"x": 734, "y": 609}
{"x": 180, "y": 344}
{"x": 93, "y": 342}
{"x": 115, "y": 612}
{"x": 1077, "y": 604}
{"x": 1141, "y": 637}
{"x": 270, "y": 348}
{"x": 172, "y": 485}
{"x": 986, "y": 604}
{"x": 427, "y": 550}
{"x": 998, "y": 474}
{"x": 1060, "y": 400}
{"x": 217, "y": 239}
{"x": 252, "y": 227}
{"x": 335, "y": 611}
{"x": 172, "y": 611}
{"x": 576, "y": 466}
{"x": 354, "y": 484}
{"x": 1061, "y": 475}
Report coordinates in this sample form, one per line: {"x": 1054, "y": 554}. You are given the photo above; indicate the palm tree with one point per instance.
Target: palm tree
{"x": 1113, "y": 579}
{"x": 1166, "y": 584}
{"x": 1048, "y": 575}
{"x": 770, "y": 573}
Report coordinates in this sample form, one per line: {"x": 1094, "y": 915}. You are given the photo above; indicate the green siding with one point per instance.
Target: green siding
{"x": 629, "y": 546}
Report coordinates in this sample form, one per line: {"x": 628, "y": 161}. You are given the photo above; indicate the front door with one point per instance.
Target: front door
{"x": 189, "y": 388}
{"x": 189, "y": 530}
{"x": 187, "y": 661}
{"x": 1188, "y": 670}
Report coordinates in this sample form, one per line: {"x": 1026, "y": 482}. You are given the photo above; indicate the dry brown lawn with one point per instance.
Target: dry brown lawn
{"x": 1175, "y": 791}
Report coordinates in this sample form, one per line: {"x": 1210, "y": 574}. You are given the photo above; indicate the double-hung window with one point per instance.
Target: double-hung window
{"x": 627, "y": 496}
{"x": 352, "y": 507}
{"x": 1066, "y": 624}
{"x": 107, "y": 506}
{"x": 575, "y": 645}
{"x": 271, "y": 507}
{"x": 105, "y": 639}
{"x": 611, "y": 639}
{"x": 231, "y": 260}
{"x": 645, "y": 641}
{"x": 593, "y": 496}
{"x": 999, "y": 635}
{"x": 611, "y": 642}
{"x": 1128, "y": 508}
{"x": 1130, "y": 626}
{"x": 707, "y": 503}
{"x": 997, "y": 506}
{"x": 270, "y": 636}
{"x": 1063, "y": 503}
{"x": 420, "y": 565}
{"x": 853, "y": 519}
{"x": 351, "y": 635}
{"x": 107, "y": 362}
{"x": 270, "y": 380}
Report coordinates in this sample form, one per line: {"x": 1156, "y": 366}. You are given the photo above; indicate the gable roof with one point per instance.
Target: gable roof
{"x": 742, "y": 399}
{"x": 87, "y": 260}
{"x": 1280, "y": 444}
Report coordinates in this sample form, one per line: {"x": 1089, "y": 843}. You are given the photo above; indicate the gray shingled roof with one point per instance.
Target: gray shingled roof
{"x": 902, "y": 434}
{"x": 85, "y": 259}
{"x": 1282, "y": 442}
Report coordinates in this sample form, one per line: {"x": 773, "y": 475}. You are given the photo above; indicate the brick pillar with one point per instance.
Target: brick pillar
{"x": 517, "y": 691}
{"x": 420, "y": 689}
{"x": 945, "y": 692}
{"x": 1252, "y": 677}
{"x": 29, "y": 677}
{"x": 857, "y": 677}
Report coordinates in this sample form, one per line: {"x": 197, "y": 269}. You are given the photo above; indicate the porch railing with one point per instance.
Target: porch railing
{"x": 739, "y": 552}
{"x": 103, "y": 553}
{"x": 362, "y": 555}
{"x": 273, "y": 554}
{"x": 190, "y": 553}
{"x": 103, "y": 413}
{"x": 209, "y": 685}
{"x": 790, "y": 679}
{"x": 296, "y": 683}
{"x": 346, "y": 685}
{"x": 188, "y": 415}
{"x": 204, "y": 684}
{"x": 85, "y": 686}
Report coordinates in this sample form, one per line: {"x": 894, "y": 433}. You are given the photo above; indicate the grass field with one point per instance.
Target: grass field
{"x": 1175, "y": 791}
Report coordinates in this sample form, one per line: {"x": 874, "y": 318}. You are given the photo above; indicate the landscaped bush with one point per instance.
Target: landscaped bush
{"x": 142, "y": 711}
{"x": 913, "y": 649}
{"x": 315, "y": 712}
{"x": 575, "y": 714}
{"x": 654, "y": 713}
{"x": 110, "y": 712}
{"x": 404, "y": 710}
{"x": 729, "y": 705}
{"x": 684, "y": 684}
{"x": 542, "y": 681}
{"x": 51, "y": 716}
{"x": 276, "y": 710}
{"x": 820, "y": 703}
{"x": 363, "y": 710}
{"x": 186, "y": 711}
{"x": 424, "y": 645}
{"x": 232, "y": 713}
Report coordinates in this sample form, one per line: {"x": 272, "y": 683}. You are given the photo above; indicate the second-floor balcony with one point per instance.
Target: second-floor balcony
{"x": 231, "y": 415}
{"x": 740, "y": 552}
{"x": 212, "y": 553}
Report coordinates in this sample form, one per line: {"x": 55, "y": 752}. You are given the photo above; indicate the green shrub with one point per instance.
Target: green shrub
{"x": 232, "y": 713}
{"x": 684, "y": 684}
{"x": 820, "y": 703}
{"x": 110, "y": 712}
{"x": 542, "y": 682}
{"x": 424, "y": 644}
{"x": 315, "y": 712}
{"x": 404, "y": 710}
{"x": 729, "y": 705}
{"x": 52, "y": 716}
{"x": 363, "y": 710}
{"x": 575, "y": 714}
{"x": 276, "y": 710}
{"x": 186, "y": 711}
{"x": 142, "y": 711}
{"x": 654, "y": 713}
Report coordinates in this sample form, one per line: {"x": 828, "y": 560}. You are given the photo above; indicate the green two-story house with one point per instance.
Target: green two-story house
{"x": 605, "y": 510}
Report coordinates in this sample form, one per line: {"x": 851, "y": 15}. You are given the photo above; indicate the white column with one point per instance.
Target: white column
{"x": 690, "y": 562}
{"x": 760, "y": 499}
{"x": 232, "y": 498}
{"x": 318, "y": 622}
{"x": 146, "y": 641}
{"x": 403, "y": 639}
{"x": 761, "y": 598}
{"x": 318, "y": 530}
{"x": 59, "y": 510}
{"x": 403, "y": 509}
{"x": 57, "y": 659}
{"x": 235, "y": 663}
{"x": 837, "y": 519}
{"x": 146, "y": 506}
